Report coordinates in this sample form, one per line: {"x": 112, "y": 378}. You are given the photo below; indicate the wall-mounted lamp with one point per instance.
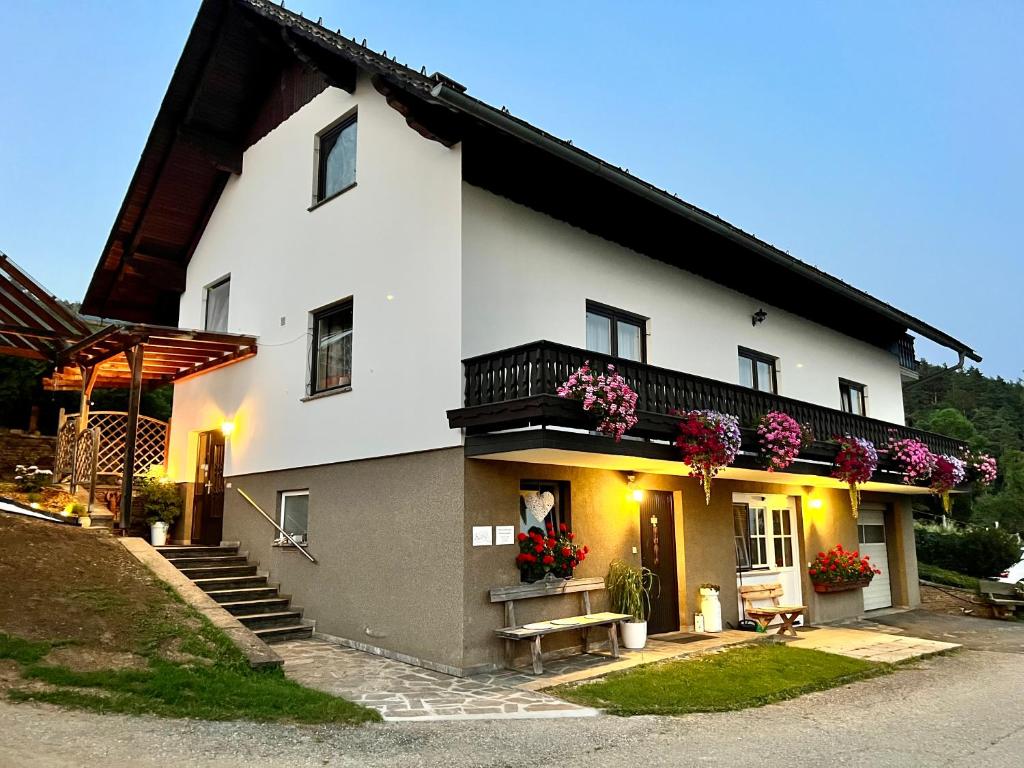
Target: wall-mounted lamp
{"x": 758, "y": 317}
{"x": 227, "y": 427}
{"x": 815, "y": 503}
{"x": 636, "y": 494}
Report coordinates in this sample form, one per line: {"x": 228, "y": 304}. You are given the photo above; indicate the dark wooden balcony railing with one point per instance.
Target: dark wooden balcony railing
{"x": 516, "y": 388}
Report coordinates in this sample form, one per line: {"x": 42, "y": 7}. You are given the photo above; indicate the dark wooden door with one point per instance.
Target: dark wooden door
{"x": 658, "y": 552}
{"x": 208, "y": 496}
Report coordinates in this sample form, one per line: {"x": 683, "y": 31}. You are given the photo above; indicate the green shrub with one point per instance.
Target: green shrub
{"x": 980, "y": 552}
{"x": 161, "y": 500}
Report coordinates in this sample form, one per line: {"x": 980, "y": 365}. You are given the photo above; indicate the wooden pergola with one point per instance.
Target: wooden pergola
{"x": 134, "y": 356}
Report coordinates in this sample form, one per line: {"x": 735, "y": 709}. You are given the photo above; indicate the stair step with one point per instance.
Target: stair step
{"x": 221, "y": 583}
{"x": 176, "y": 551}
{"x": 207, "y": 562}
{"x": 212, "y": 572}
{"x": 271, "y": 620}
{"x": 253, "y": 607}
{"x": 224, "y": 596}
{"x": 280, "y": 634}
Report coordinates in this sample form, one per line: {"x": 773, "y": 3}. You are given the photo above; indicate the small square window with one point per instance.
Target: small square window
{"x": 757, "y": 371}
{"x": 217, "y": 298}
{"x": 294, "y": 516}
{"x": 331, "y": 356}
{"x": 336, "y": 164}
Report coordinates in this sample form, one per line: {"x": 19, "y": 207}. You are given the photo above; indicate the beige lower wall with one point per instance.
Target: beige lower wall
{"x": 387, "y": 535}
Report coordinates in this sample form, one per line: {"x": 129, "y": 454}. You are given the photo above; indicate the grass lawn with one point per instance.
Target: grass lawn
{"x": 949, "y": 578}
{"x": 85, "y": 625}
{"x": 733, "y": 679}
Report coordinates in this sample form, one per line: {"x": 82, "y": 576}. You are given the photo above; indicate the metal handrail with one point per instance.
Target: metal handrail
{"x": 281, "y": 530}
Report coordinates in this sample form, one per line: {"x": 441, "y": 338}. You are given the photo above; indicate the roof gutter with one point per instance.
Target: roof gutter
{"x": 620, "y": 178}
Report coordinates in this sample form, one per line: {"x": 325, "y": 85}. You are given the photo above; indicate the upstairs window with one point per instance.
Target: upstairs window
{"x": 217, "y": 296}
{"x": 616, "y": 332}
{"x": 336, "y": 160}
{"x": 852, "y": 397}
{"x": 294, "y": 516}
{"x": 331, "y": 363}
{"x": 757, "y": 371}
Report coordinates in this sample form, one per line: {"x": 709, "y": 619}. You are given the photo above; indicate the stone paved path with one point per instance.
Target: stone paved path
{"x": 885, "y": 647}
{"x": 404, "y": 692}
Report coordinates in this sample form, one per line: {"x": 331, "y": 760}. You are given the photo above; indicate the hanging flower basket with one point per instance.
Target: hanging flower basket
{"x": 709, "y": 441}
{"x": 855, "y": 463}
{"x": 781, "y": 438}
{"x": 982, "y": 469}
{"x": 606, "y": 396}
{"x": 913, "y": 457}
{"x": 949, "y": 473}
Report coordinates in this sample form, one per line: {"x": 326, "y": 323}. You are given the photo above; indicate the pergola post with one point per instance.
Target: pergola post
{"x": 134, "y": 356}
{"x": 89, "y": 374}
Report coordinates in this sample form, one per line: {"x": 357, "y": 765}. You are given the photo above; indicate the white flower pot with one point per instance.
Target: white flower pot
{"x": 85, "y": 521}
{"x": 158, "y": 534}
{"x": 711, "y": 609}
{"x": 634, "y": 634}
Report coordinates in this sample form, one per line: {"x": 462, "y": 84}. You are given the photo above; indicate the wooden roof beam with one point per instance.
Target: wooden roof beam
{"x": 223, "y": 153}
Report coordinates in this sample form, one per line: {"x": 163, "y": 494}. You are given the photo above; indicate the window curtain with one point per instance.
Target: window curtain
{"x": 334, "y": 350}
{"x": 599, "y": 333}
{"x": 629, "y": 341}
{"x": 217, "y": 297}
{"x": 340, "y": 168}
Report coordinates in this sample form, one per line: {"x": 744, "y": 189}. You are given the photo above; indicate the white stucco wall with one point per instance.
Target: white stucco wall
{"x": 396, "y": 233}
{"x": 527, "y": 276}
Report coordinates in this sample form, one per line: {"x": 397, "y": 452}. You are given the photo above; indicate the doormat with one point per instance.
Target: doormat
{"x": 802, "y": 628}
{"x": 684, "y": 638}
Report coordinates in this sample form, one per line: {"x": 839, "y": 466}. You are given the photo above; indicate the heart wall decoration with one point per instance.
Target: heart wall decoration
{"x": 538, "y": 505}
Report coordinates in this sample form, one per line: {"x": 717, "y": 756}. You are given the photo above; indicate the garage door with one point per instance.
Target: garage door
{"x": 871, "y": 534}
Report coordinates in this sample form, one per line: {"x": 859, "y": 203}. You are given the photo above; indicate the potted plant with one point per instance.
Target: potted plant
{"x": 629, "y": 588}
{"x": 551, "y": 555}
{"x": 711, "y": 607}
{"x": 606, "y": 396}
{"x": 161, "y": 504}
{"x": 839, "y": 570}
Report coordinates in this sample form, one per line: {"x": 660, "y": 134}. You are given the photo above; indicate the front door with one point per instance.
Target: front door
{"x": 658, "y": 552}
{"x": 767, "y": 537}
{"x": 208, "y": 496}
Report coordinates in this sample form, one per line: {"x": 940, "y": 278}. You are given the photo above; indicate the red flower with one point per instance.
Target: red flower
{"x": 814, "y": 571}
{"x": 548, "y": 560}
{"x": 522, "y": 537}
{"x": 538, "y": 548}
{"x": 563, "y": 527}
{"x": 566, "y": 552}
{"x": 551, "y": 543}
{"x": 571, "y": 535}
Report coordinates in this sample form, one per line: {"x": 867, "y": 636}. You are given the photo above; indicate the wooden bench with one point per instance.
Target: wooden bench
{"x": 764, "y": 615}
{"x": 533, "y": 632}
{"x": 1001, "y": 595}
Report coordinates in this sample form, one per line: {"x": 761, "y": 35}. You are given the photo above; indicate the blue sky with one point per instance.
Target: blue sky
{"x": 881, "y": 142}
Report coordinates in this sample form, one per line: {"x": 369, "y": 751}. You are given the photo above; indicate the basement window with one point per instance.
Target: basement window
{"x": 293, "y": 516}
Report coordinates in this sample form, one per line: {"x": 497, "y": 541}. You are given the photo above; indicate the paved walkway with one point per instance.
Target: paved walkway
{"x": 886, "y": 647}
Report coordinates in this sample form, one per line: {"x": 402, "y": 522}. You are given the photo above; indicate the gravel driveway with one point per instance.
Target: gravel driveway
{"x": 954, "y": 710}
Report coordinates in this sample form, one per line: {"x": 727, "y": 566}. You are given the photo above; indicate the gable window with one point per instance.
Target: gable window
{"x": 336, "y": 160}
{"x": 331, "y": 356}
{"x": 616, "y": 332}
{"x": 852, "y": 397}
{"x": 216, "y": 298}
{"x": 293, "y": 516}
{"x": 757, "y": 371}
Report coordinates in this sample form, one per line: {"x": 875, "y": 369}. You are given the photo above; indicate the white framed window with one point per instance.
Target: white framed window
{"x": 216, "y": 297}
{"x": 764, "y": 534}
{"x": 293, "y": 515}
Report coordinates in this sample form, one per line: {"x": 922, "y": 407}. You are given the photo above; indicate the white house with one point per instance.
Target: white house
{"x": 375, "y": 227}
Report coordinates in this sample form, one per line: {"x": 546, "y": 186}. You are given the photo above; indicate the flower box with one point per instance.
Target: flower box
{"x": 842, "y": 586}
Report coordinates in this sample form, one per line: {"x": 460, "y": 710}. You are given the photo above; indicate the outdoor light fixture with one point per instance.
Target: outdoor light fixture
{"x": 815, "y": 503}
{"x": 636, "y": 494}
{"x": 758, "y": 317}
{"x": 226, "y": 428}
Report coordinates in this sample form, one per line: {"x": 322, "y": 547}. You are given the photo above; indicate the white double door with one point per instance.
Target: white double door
{"x": 773, "y": 545}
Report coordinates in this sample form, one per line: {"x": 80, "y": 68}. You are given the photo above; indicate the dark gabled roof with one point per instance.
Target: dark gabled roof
{"x": 249, "y": 64}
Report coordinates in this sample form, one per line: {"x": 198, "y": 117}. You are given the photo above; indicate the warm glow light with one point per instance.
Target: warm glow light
{"x": 35, "y": 505}
{"x": 637, "y": 494}
{"x": 390, "y": 297}
{"x": 227, "y": 427}
{"x": 815, "y": 503}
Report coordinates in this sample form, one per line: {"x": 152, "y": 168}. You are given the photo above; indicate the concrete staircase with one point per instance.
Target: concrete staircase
{"x": 230, "y": 579}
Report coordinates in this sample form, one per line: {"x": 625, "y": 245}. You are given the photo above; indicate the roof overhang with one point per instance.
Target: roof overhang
{"x": 168, "y": 354}
{"x": 221, "y": 99}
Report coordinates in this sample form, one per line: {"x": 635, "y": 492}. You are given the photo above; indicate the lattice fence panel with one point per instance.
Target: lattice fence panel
{"x": 66, "y": 437}
{"x": 150, "y": 442}
{"x": 82, "y": 473}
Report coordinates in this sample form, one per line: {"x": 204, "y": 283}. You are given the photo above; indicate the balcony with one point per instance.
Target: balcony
{"x": 515, "y": 388}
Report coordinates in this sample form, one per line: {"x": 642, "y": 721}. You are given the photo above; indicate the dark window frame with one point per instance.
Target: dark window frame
{"x": 325, "y": 140}
{"x": 845, "y": 403}
{"x": 755, "y": 357}
{"x": 315, "y": 317}
{"x": 616, "y": 315}
{"x": 282, "y": 541}
{"x": 563, "y": 505}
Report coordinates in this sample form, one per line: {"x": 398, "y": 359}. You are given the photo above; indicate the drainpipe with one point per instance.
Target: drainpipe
{"x": 942, "y": 372}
